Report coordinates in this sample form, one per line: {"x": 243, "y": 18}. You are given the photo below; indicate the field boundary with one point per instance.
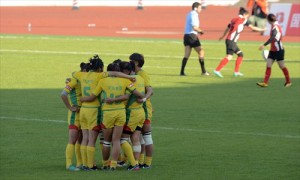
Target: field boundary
{"x": 170, "y": 128}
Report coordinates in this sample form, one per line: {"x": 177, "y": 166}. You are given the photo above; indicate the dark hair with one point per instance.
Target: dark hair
{"x": 243, "y": 11}
{"x": 129, "y": 66}
{"x": 96, "y": 63}
{"x": 138, "y": 58}
{"x": 271, "y": 18}
{"x": 85, "y": 66}
{"x": 113, "y": 67}
{"x": 117, "y": 61}
{"x": 195, "y": 5}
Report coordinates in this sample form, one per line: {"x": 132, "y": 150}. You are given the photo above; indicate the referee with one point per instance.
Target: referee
{"x": 191, "y": 39}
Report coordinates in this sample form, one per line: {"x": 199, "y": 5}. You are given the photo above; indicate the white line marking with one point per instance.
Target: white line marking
{"x": 148, "y": 32}
{"x": 170, "y": 128}
{"x": 116, "y": 54}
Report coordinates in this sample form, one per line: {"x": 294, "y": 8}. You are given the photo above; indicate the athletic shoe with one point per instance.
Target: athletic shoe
{"x": 237, "y": 74}
{"x": 205, "y": 74}
{"x": 141, "y": 166}
{"x": 147, "y": 166}
{"x": 262, "y": 84}
{"x": 94, "y": 168}
{"x": 218, "y": 73}
{"x": 112, "y": 169}
{"x": 133, "y": 168}
{"x": 73, "y": 168}
{"x": 121, "y": 164}
{"x": 287, "y": 84}
{"x": 85, "y": 168}
{"x": 182, "y": 74}
{"x": 105, "y": 168}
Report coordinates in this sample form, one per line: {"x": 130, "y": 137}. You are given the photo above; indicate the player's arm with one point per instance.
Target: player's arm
{"x": 149, "y": 93}
{"x": 117, "y": 99}
{"x": 121, "y": 75}
{"x": 256, "y": 28}
{"x": 225, "y": 32}
{"x": 198, "y": 30}
{"x": 64, "y": 94}
{"x": 272, "y": 37}
{"x": 90, "y": 98}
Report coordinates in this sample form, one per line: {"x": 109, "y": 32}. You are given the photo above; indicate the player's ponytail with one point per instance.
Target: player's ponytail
{"x": 96, "y": 63}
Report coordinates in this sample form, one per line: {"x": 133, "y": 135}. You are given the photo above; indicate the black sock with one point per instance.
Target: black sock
{"x": 201, "y": 61}
{"x": 184, "y": 61}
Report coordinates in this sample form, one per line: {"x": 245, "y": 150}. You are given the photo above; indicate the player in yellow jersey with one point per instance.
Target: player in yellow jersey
{"x": 114, "y": 115}
{"x": 90, "y": 113}
{"x": 138, "y": 59}
{"x": 71, "y": 98}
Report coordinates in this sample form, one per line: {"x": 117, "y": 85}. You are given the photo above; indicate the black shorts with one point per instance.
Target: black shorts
{"x": 276, "y": 55}
{"x": 231, "y": 47}
{"x": 191, "y": 40}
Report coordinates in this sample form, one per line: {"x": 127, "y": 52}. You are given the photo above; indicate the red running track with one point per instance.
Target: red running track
{"x": 151, "y": 22}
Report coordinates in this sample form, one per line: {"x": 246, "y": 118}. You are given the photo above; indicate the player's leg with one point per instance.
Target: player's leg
{"x": 93, "y": 134}
{"x": 200, "y": 51}
{"x": 107, "y": 134}
{"x": 136, "y": 145}
{"x": 147, "y": 135}
{"x": 187, "y": 53}
{"x": 73, "y": 123}
{"x": 116, "y": 148}
{"x": 127, "y": 149}
{"x": 142, "y": 154}
{"x": 238, "y": 63}
{"x": 77, "y": 150}
{"x": 269, "y": 64}
{"x": 280, "y": 61}
{"x": 225, "y": 60}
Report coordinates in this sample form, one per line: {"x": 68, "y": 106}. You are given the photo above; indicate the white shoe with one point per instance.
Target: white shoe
{"x": 205, "y": 74}
{"x": 218, "y": 73}
{"x": 237, "y": 74}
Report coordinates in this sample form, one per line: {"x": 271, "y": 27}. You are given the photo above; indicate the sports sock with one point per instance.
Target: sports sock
{"x": 69, "y": 154}
{"x": 113, "y": 164}
{"x": 90, "y": 156}
{"x": 223, "y": 62}
{"x": 286, "y": 74}
{"x": 106, "y": 163}
{"x": 141, "y": 158}
{"x": 127, "y": 149}
{"x": 184, "y": 61}
{"x": 201, "y": 61}
{"x": 148, "y": 160}
{"x": 267, "y": 75}
{"x": 78, "y": 155}
{"x": 238, "y": 62}
{"x": 83, "y": 150}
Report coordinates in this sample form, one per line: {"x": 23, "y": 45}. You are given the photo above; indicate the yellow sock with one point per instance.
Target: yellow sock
{"x": 148, "y": 160}
{"x": 78, "y": 155}
{"x": 113, "y": 164}
{"x": 106, "y": 163}
{"x": 101, "y": 147}
{"x": 127, "y": 149}
{"x": 90, "y": 156}
{"x": 69, "y": 154}
{"x": 141, "y": 159}
{"x": 83, "y": 155}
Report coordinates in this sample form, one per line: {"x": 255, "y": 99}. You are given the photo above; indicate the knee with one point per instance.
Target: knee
{"x": 148, "y": 138}
{"x": 240, "y": 54}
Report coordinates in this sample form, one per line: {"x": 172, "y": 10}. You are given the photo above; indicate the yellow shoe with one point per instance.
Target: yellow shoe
{"x": 262, "y": 84}
{"x": 287, "y": 84}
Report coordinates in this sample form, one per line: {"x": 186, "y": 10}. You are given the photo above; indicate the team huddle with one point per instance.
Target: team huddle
{"x": 114, "y": 106}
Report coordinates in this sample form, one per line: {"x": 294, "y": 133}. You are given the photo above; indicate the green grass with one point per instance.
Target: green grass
{"x": 203, "y": 127}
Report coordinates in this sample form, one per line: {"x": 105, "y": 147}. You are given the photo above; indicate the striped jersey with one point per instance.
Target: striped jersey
{"x": 276, "y": 35}
{"x": 236, "y": 26}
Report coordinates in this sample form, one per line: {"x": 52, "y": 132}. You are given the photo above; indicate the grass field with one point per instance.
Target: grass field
{"x": 203, "y": 127}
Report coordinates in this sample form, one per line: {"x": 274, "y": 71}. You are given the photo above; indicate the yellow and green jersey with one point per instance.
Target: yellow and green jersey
{"x": 74, "y": 92}
{"x": 113, "y": 87}
{"x": 89, "y": 81}
{"x": 140, "y": 86}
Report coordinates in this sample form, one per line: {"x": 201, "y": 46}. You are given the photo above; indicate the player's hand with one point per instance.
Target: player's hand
{"x": 68, "y": 80}
{"x": 74, "y": 108}
{"x": 262, "y": 47}
{"x": 133, "y": 79}
{"x": 220, "y": 38}
{"x": 201, "y": 32}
